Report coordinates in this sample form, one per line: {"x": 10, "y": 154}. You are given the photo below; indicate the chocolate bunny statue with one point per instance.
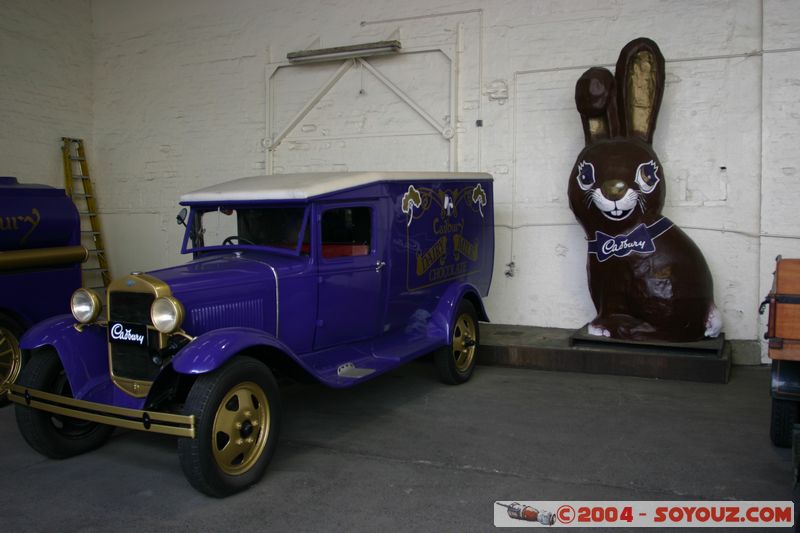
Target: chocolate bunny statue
{"x": 647, "y": 278}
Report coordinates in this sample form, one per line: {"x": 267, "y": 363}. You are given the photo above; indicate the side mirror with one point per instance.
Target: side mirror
{"x": 181, "y": 218}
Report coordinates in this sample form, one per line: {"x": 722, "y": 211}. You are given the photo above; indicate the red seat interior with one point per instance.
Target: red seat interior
{"x": 333, "y": 250}
{"x": 330, "y": 251}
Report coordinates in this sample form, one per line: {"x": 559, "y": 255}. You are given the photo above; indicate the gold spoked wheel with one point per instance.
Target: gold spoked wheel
{"x": 238, "y": 417}
{"x": 10, "y": 359}
{"x": 241, "y": 428}
{"x": 464, "y": 341}
{"x": 456, "y": 361}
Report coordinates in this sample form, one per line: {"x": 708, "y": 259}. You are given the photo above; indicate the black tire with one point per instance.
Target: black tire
{"x": 237, "y": 413}
{"x": 55, "y": 436}
{"x": 796, "y": 454}
{"x": 784, "y": 417}
{"x": 10, "y": 355}
{"x": 456, "y": 362}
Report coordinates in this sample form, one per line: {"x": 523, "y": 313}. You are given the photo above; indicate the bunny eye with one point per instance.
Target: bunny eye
{"x": 585, "y": 175}
{"x": 647, "y": 177}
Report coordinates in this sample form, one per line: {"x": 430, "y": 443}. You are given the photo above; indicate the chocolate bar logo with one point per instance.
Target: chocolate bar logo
{"x": 19, "y": 222}
{"x": 640, "y": 240}
{"x": 120, "y": 333}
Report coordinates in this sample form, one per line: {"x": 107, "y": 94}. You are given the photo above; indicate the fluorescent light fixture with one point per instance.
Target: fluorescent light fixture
{"x": 344, "y": 52}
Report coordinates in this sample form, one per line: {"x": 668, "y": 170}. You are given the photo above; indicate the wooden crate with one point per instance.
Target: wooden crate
{"x": 783, "y": 331}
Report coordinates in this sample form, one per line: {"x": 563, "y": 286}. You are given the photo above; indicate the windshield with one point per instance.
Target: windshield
{"x": 273, "y": 227}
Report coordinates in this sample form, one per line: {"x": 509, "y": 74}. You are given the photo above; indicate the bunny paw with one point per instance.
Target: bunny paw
{"x": 713, "y": 322}
{"x": 598, "y": 330}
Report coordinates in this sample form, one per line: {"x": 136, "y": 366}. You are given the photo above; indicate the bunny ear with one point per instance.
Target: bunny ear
{"x": 595, "y": 98}
{"x": 640, "y": 86}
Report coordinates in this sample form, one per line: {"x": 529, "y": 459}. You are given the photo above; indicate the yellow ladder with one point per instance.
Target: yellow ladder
{"x": 79, "y": 187}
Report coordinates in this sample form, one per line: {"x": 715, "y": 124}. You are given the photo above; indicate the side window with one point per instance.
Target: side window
{"x": 276, "y": 227}
{"x": 346, "y": 232}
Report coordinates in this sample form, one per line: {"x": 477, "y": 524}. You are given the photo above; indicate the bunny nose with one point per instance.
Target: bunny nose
{"x": 614, "y": 190}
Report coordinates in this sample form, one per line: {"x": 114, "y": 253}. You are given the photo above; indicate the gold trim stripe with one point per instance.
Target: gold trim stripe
{"x": 164, "y": 423}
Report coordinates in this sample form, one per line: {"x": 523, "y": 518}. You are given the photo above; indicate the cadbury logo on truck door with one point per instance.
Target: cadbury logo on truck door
{"x": 443, "y": 233}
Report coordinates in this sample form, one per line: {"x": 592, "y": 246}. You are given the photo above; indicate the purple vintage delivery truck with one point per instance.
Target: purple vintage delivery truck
{"x": 40, "y": 264}
{"x": 340, "y": 276}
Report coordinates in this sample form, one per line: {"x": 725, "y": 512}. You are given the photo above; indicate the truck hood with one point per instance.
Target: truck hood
{"x": 227, "y": 290}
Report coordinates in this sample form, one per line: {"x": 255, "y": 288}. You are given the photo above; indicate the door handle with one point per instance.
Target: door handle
{"x": 379, "y": 266}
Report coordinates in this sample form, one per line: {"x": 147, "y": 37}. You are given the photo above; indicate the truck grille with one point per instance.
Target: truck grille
{"x": 133, "y": 362}
{"x": 129, "y": 361}
{"x": 133, "y": 307}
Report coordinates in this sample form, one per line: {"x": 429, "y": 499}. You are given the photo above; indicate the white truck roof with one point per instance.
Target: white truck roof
{"x": 309, "y": 185}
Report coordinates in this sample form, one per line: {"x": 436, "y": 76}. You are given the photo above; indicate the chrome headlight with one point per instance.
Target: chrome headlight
{"x": 85, "y": 305}
{"x": 166, "y": 314}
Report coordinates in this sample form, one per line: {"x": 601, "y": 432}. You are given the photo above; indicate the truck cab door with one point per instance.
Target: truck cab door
{"x": 352, "y": 257}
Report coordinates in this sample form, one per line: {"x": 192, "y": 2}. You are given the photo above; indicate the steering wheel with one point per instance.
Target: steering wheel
{"x": 242, "y": 240}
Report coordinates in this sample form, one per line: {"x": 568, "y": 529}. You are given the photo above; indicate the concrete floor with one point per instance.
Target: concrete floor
{"x": 404, "y": 452}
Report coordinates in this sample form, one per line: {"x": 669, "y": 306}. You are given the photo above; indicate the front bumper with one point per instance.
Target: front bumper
{"x": 153, "y": 422}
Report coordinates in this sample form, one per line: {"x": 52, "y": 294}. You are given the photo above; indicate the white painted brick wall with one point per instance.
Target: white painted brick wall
{"x": 179, "y": 103}
{"x": 45, "y": 85}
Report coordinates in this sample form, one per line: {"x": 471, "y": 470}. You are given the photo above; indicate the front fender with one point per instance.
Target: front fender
{"x": 444, "y": 314}
{"x": 211, "y": 350}
{"x": 84, "y": 354}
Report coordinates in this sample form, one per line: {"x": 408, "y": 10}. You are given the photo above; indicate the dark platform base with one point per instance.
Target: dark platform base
{"x": 577, "y": 351}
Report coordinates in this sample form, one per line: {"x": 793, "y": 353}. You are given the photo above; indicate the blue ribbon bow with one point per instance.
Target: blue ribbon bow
{"x": 640, "y": 240}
